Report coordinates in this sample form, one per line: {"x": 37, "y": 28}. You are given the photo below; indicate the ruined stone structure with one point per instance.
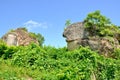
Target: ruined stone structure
{"x": 18, "y": 37}
{"x": 77, "y": 35}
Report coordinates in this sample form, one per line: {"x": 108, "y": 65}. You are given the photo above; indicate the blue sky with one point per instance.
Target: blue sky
{"x": 48, "y": 16}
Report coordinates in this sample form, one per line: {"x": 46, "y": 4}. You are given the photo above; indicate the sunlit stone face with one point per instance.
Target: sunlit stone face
{"x": 11, "y": 39}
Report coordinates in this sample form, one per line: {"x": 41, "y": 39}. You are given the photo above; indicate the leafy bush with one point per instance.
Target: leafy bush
{"x": 100, "y": 25}
{"x": 2, "y": 47}
{"x": 95, "y": 18}
{"x": 117, "y": 54}
{"x": 61, "y": 64}
{"x": 6, "y": 51}
{"x": 9, "y": 52}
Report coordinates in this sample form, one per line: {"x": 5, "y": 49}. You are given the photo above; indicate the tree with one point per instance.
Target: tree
{"x": 68, "y": 22}
{"x": 95, "y": 23}
{"x": 40, "y": 39}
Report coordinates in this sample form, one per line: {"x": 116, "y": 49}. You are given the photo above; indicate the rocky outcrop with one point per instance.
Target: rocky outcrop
{"x": 77, "y": 35}
{"x": 18, "y": 37}
{"x": 75, "y": 31}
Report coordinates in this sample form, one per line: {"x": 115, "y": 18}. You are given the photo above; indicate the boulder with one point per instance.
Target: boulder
{"x": 75, "y": 31}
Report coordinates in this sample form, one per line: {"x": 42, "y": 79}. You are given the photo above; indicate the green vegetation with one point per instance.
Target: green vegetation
{"x": 38, "y": 37}
{"x": 100, "y": 25}
{"x": 49, "y": 63}
{"x": 68, "y": 22}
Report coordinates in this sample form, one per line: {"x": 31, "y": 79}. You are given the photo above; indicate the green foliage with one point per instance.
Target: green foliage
{"x": 7, "y": 52}
{"x": 98, "y": 24}
{"x": 33, "y": 35}
{"x": 50, "y": 63}
{"x": 117, "y": 53}
{"x": 96, "y": 20}
{"x": 2, "y": 47}
{"x": 38, "y": 37}
{"x": 68, "y": 22}
{"x": 106, "y": 32}
{"x": 8, "y": 72}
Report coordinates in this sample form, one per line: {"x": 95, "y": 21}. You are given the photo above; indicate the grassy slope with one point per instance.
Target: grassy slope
{"x": 9, "y": 72}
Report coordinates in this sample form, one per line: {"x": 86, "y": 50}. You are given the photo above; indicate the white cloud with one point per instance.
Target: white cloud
{"x": 33, "y": 24}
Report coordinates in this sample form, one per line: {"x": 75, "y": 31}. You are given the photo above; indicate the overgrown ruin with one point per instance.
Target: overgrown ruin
{"x": 18, "y": 37}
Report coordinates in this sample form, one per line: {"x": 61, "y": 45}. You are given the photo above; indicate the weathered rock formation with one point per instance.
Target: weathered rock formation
{"x": 18, "y": 37}
{"x": 76, "y": 34}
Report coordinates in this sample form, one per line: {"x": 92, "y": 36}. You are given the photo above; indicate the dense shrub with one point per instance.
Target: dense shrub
{"x": 60, "y": 64}
{"x": 7, "y": 51}
{"x": 2, "y": 47}
{"x": 99, "y": 24}
{"x": 116, "y": 54}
